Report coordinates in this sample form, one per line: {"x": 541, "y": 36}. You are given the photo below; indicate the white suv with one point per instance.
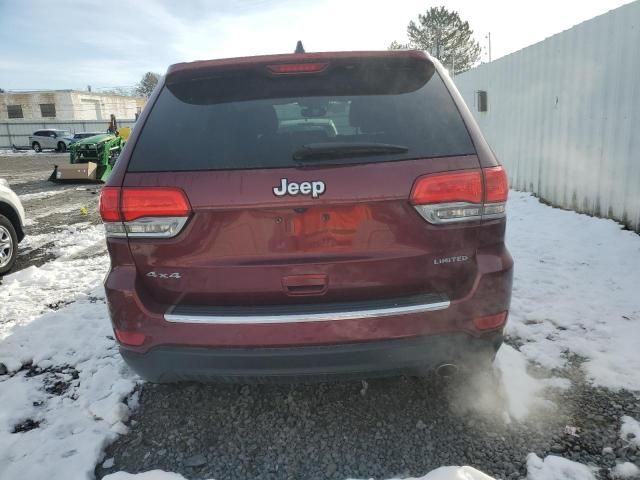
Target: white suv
{"x": 50, "y": 138}
{"x": 11, "y": 226}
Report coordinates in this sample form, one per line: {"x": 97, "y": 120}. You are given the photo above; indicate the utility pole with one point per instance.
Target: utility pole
{"x": 488, "y": 37}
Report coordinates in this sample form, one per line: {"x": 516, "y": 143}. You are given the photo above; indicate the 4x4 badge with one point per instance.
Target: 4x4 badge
{"x": 166, "y": 276}
{"x": 314, "y": 188}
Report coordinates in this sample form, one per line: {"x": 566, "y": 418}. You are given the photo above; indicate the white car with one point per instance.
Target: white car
{"x": 11, "y": 226}
{"x": 59, "y": 140}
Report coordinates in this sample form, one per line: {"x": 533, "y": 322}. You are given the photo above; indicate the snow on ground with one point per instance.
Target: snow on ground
{"x": 9, "y": 152}
{"x": 79, "y": 268}
{"x": 630, "y": 431}
{"x": 75, "y": 387}
{"x": 556, "y": 468}
{"x": 67, "y": 239}
{"x": 575, "y": 290}
{"x": 40, "y": 195}
{"x": 75, "y": 396}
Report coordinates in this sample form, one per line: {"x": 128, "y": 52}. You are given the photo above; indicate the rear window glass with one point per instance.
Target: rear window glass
{"x": 249, "y": 119}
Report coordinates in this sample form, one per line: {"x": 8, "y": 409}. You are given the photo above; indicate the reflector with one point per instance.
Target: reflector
{"x": 128, "y": 337}
{"x": 490, "y": 321}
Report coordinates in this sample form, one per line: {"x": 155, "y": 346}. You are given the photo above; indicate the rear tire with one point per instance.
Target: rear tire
{"x": 8, "y": 245}
{"x": 62, "y": 147}
{"x": 36, "y": 146}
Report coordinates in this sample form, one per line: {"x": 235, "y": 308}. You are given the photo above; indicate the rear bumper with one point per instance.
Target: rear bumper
{"x": 133, "y": 309}
{"x": 312, "y": 363}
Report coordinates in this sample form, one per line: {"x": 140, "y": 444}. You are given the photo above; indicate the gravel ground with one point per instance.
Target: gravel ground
{"x": 50, "y": 207}
{"x": 378, "y": 429}
{"x": 394, "y": 427}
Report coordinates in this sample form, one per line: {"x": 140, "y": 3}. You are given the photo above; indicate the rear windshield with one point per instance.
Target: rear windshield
{"x": 249, "y": 119}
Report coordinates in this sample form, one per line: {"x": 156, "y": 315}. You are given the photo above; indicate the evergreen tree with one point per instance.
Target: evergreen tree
{"x": 445, "y": 36}
{"x": 147, "y": 84}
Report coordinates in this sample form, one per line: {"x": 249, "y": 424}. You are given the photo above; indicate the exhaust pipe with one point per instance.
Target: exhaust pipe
{"x": 447, "y": 370}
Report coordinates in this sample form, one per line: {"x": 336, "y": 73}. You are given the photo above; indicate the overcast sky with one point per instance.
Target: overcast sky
{"x": 108, "y": 43}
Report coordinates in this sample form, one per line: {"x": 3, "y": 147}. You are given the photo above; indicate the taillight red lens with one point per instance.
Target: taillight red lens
{"x": 110, "y": 204}
{"x": 496, "y": 185}
{"x": 127, "y": 337}
{"x": 461, "y": 186}
{"x": 316, "y": 67}
{"x": 490, "y": 321}
{"x": 154, "y": 202}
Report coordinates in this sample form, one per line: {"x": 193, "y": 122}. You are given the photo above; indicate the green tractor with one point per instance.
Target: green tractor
{"x": 91, "y": 159}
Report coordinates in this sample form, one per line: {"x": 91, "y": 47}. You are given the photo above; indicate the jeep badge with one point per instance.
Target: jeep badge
{"x": 314, "y": 188}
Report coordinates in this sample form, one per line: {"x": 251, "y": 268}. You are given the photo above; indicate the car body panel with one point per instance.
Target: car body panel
{"x": 49, "y": 138}
{"x": 258, "y": 239}
{"x": 134, "y": 307}
{"x": 9, "y": 198}
{"x": 360, "y": 239}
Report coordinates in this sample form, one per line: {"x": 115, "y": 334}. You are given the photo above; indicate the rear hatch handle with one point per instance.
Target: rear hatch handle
{"x": 310, "y": 284}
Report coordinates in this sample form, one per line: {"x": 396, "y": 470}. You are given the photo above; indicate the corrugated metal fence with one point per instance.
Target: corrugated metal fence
{"x": 17, "y": 133}
{"x": 564, "y": 115}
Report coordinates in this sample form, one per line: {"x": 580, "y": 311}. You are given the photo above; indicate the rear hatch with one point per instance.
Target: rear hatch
{"x": 293, "y": 181}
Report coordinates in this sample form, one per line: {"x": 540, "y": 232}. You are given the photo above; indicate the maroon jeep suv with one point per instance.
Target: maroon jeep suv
{"x": 306, "y": 215}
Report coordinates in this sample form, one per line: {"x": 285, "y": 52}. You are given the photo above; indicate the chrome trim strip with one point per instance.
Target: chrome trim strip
{"x": 169, "y": 316}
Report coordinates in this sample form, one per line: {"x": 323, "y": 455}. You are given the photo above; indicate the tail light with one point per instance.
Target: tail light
{"x": 158, "y": 212}
{"x": 461, "y": 196}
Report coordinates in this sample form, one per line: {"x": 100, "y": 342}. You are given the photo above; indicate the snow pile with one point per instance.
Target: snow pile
{"x": 575, "y": 290}
{"x": 509, "y": 392}
{"x": 625, "y": 470}
{"x": 630, "y": 431}
{"x": 556, "y": 468}
{"x": 68, "y": 408}
{"x": 522, "y": 391}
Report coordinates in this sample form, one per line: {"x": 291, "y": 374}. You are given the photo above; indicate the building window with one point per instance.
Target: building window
{"x": 481, "y": 100}
{"x": 48, "y": 109}
{"x": 15, "y": 111}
